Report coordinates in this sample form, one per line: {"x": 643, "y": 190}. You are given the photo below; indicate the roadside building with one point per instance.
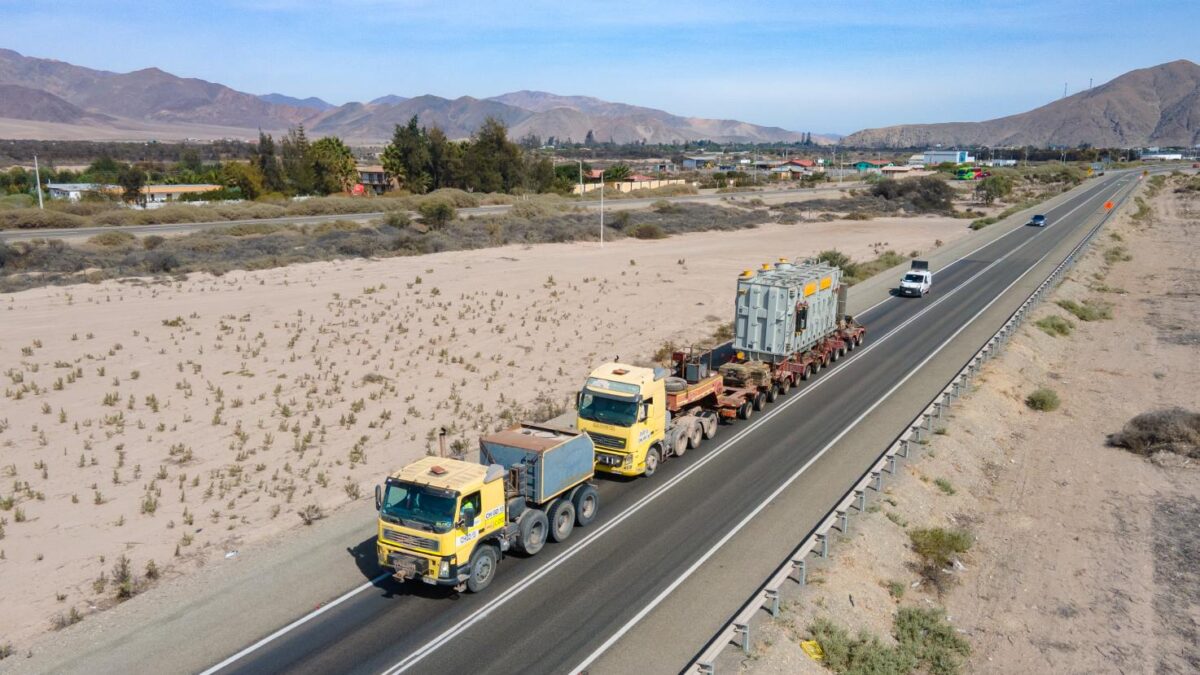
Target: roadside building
{"x": 917, "y": 161}
{"x": 935, "y": 157}
{"x": 375, "y": 178}
{"x": 171, "y": 193}
{"x": 700, "y": 162}
{"x": 999, "y": 162}
{"x": 1161, "y": 156}
{"x": 871, "y": 166}
{"x": 76, "y": 191}
{"x": 897, "y": 169}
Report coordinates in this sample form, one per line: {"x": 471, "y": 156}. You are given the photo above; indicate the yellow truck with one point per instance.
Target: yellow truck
{"x": 449, "y": 522}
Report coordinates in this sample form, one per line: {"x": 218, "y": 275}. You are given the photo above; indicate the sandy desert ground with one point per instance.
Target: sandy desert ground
{"x": 1085, "y": 555}
{"x": 174, "y": 421}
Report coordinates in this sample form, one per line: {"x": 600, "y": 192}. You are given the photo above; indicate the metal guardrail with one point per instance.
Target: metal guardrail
{"x": 737, "y": 632}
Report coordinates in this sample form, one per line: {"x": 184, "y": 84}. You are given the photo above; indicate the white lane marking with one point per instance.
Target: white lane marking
{"x": 452, "y": 632}
{"x": 770, "y": 498}
{"x": 640, "y": 503}
{"x": 297, "y": 623}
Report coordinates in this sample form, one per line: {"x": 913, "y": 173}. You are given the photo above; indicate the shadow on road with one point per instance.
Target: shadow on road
{"x": 368, "y": 565}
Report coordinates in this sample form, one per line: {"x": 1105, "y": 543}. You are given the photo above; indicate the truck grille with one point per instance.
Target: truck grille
{"x": 609, "y": 459}
{"x": 607, "y": 441}
{"x": 409, "y": 540}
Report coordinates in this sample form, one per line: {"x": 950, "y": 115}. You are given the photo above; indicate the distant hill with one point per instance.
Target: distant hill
{"x": 310, "y": 102}
{"x": 76, "y": 102}
{"x": 1158, "y": 106}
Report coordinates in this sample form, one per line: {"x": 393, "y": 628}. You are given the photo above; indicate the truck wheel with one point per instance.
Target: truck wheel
{"x": 841, "y": 351}
{"x": 760, "y": 401}
{"x": 587, "y": 504}
{"x": 532, "y": 529}
{"x": 808, "y": 370}
{"x": 833, "y": 355}
{"x": 679, "y": 442}
{"x": 562, "y": 520}
{"x": 745, "y": 410}
{"x": 695, "y": 434}
{"x": 773, "y": 393}
{"x": 483, "y": 568}
{"x": 709, "y": 428}
{"x": 850, "y": 344}
{"x": 785, "y": 385}
{"x": 652, "y": 458}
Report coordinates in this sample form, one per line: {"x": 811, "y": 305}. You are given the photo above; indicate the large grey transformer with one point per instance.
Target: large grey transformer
{"x": 785, "y": 308}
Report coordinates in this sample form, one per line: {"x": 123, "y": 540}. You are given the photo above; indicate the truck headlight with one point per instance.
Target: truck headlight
{"x": 628, "y": 461}
{"x": 444, "y": 569}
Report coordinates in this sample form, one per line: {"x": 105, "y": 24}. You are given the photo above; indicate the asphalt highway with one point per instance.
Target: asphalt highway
{"x": 549, "y": 613}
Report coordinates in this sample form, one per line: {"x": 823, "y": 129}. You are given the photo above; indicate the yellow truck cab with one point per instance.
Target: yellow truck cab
{"x": 623, "y": 409}
{"x": 434, "y": 514}
{"x": 448, "y": 522}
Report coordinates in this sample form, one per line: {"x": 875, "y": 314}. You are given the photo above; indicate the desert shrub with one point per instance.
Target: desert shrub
{"x": 112, "y": 239}
{"x": 938, "y": 546}
{"x": 333, "y": 226}
{"x": 527, "y": 209}
{"x": 152, "y": 242}
{"x": 160, "y": 262}
{"x": 250, "y": 229}
{"x": 859, "y": 655}
{"x": 1043, "y": 400}
{"x": 981, "y": 223}
{"x": 38, "y": 219}
{"x": 244, "y": 211}
{"x": 647, "y": 231}
{"x": 927, "y": 637}
{"x": 174, "y": 213}
{"x": 620, "y": 220}
{"x": 397, "y": 219}
{"x": 1173, "y": 429}
{"x": 1055, "y": 325}
{"x": 924, "y": 194}
{"x": 1088, "y": 310}
{"x": 459, "y": 199}
{"x": 664, "y": 206}
{"x": 1116, "y": 254}
{"x": 858, "y": 215}
{"x": 837, "y": 259}
{"x": 437, "y": 212}
{"x": 328, "y": 206}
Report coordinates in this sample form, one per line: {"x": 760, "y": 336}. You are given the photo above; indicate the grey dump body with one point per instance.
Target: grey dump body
{"x": 786, "y": 309}
{"x": 549, "y": 459}
{"x": 920, "y": 266}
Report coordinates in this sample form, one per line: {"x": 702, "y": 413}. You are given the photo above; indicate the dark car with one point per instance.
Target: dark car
{"x": 1038, "y": 221}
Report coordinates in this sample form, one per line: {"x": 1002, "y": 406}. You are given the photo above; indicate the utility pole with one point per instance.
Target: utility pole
{"x": 602, "y": 209}
{"x": 37, "y": 177}
{"x": 580, "y": 177}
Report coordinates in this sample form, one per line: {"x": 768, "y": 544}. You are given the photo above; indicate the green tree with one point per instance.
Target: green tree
{"x": 132, "y": 180}
{"x": 445, "y": 160}
{"x": 408, "y": 157}
{"x": 189, "y": 160}
{"x": 334, "y": 169}
{"x": 617, "y": 172}
{"x": 994, "y": 187}
{"x": 268, "y": 165}
{"x": 295, "y": 153}
{"x": 492, "y": 162}
{"x": 247, "y": 178}
{"x": 437, "y": 212}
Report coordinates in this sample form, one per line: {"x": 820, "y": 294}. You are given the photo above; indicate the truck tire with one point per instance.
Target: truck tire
{"x": 709, "y": 428}
{"x": 483, "y": 568}
{"x": 679, "y": 442}
{"x": 532, "y": 530}
{"x": 773, "y": 393}
{"x": 745, "y": 410}
{"x": 676, "y": 384}
{"x": 653, "y": 457}
{"x": 587, "y": 505}
{"x": 695, "y": 434}
{"x": 759, "y": 400}
{"x": 562, "y": 520}
{"x": 785, "y": 385}
{"x": 808, "y": 370}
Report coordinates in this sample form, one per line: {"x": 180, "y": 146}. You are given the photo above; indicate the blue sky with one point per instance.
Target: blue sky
{"x": 803, "y": 65}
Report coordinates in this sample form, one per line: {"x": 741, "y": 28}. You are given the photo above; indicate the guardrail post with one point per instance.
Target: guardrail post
{"x": 904, "y": 448}
{"x": 705, "y": 668}
{"x": 744, "y": 630}
{"x": 877, "y": 477}
{"x": 861, "y": 497}
{"x": 844, "y": 521}
{"x": 801, "y": 567}
{"x": 773, "y": 602}
{"x": 891, "y": 464}
{"x": 937, "y": 412}
{"x": 824, "y": 540}
{"x": 917, "y": 432}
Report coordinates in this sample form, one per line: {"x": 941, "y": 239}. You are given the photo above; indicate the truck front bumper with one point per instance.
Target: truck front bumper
{"x": 618, "y": 463}
{"x": 412, "y": 565}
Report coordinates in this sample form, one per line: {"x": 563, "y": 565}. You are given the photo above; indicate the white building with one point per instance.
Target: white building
{"x": 934, "y": 157}
{"x": 1162, "y": 156}
{"x": 75, "y": 191}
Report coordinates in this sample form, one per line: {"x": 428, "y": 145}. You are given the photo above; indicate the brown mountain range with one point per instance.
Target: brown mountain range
{"x": 151, "y": 103}
{"x": 1157, "y": 106}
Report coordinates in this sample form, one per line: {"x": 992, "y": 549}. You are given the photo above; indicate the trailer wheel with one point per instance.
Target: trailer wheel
{"x": 850, "y": 344}
{"x": 745, "y": 410}
{"x": 562, "y": 520}
{"x": 587, "y": 504}
{"x": 483, "y": 568}
{"x": 858, "y": 340}
{"x": 532, "y": 528}
{"x": 653, "y": 456}
{"x": 833, "y": 355}
{"x": 760, "y": 401}
{"x": 773, "y": 393}
{"x": 841, "y": 351}
{"x": 709, "y": 428}
{"x": 695, "y": 435}
{"x": 785, "y": 385}
{"x": 806, "y": 373}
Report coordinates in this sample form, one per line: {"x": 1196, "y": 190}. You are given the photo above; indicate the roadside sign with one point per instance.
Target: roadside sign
{"x": 1108, "y": 206}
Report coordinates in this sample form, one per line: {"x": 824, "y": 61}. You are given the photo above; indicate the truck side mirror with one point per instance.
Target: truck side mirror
{"x": 643, "y": 412}
{"x": 467, "y": 521}
{"x": 378, "y": 497}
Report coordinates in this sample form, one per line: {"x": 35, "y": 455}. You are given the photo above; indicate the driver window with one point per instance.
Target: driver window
{"x": 470, "y": 506}
{"x": 644, "y": 412}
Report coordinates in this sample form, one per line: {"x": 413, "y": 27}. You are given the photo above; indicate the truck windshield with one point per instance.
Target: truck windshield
{"x": 916, "y": 278}
{"x": 597, "y": 408}
{"x": 419, "y": 506}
